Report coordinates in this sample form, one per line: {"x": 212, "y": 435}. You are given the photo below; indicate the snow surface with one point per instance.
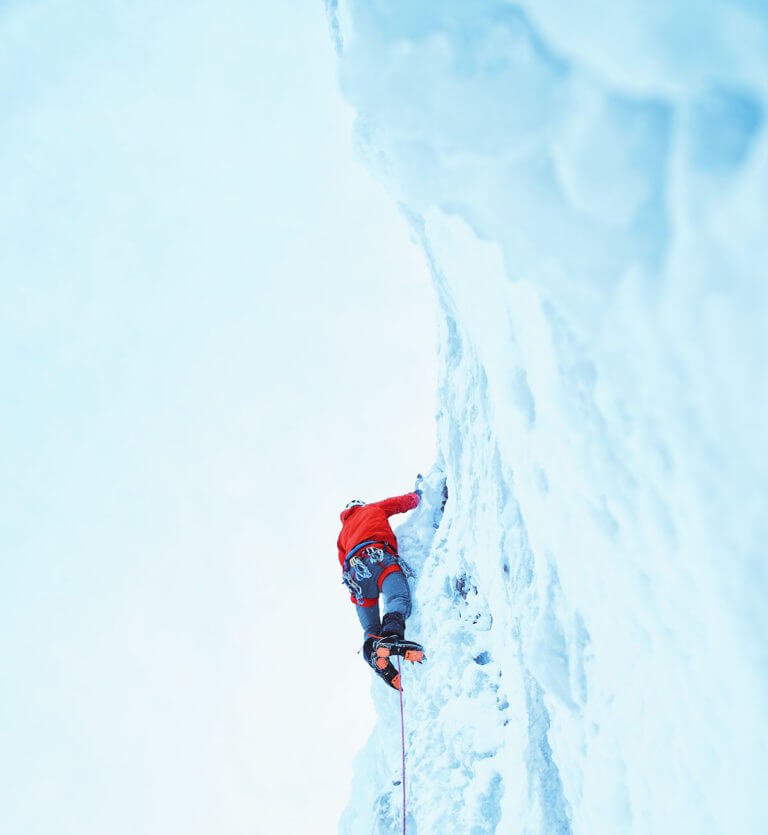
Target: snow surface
{"x": 589, "y": 183}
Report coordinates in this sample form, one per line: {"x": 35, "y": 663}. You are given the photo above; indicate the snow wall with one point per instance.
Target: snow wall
{"x": 589, "y": 183}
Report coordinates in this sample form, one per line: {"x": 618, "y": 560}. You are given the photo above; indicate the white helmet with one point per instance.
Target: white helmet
{"x": 354, "y": 503}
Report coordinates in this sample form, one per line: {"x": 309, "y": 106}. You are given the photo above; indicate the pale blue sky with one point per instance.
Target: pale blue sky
{"x": 215, "y": 331}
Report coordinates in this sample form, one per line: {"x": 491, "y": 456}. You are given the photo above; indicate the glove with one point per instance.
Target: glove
{"x": 417, "y": 487}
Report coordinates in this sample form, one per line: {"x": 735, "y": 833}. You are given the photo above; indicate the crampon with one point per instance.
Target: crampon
{"x": 382, "y": 650}
{"x": 407, "y": 650}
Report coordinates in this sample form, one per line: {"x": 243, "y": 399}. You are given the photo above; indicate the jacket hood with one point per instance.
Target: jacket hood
{"x": 345, "y": 514}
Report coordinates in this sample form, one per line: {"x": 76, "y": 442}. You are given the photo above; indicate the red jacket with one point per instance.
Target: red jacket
{"x": 371, "y": 521}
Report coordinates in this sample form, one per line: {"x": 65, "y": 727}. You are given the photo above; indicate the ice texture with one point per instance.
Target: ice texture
{"x": 589, "y": 183}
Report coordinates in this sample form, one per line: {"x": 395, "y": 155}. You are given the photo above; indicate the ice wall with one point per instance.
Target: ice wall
{"x": 590, "y": 186}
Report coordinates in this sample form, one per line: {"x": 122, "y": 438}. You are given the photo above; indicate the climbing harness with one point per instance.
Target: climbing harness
{"x": 361, "y": 545}
{"x": 357, "y": 569}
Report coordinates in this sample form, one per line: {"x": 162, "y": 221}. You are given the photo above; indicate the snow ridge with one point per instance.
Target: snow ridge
{"x": 590, "y": 190}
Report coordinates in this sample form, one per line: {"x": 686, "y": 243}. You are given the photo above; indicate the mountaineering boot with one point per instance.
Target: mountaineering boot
{"x": 392, "y": 641}
{"x": 385, "y": 648}
{"x": 382, "y": 666}
{"x": 393, "y": 625}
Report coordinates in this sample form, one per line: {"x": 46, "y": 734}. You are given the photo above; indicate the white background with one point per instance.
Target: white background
{"x": 215, "y": 331}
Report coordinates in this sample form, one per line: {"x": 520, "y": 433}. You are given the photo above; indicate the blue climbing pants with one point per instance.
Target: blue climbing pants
{"x": 397, "y": 598}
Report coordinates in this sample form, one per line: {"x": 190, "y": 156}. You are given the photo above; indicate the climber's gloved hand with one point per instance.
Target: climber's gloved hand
{"x": 417, "y": 486}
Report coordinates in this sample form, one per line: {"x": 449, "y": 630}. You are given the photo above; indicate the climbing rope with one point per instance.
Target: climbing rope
{"x": 402, "y": 734}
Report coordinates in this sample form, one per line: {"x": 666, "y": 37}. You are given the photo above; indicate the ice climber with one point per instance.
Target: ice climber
{"x": 371, "y": 565}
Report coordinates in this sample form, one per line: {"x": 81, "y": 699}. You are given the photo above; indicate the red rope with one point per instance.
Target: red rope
{"x": 402, "y": 735}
